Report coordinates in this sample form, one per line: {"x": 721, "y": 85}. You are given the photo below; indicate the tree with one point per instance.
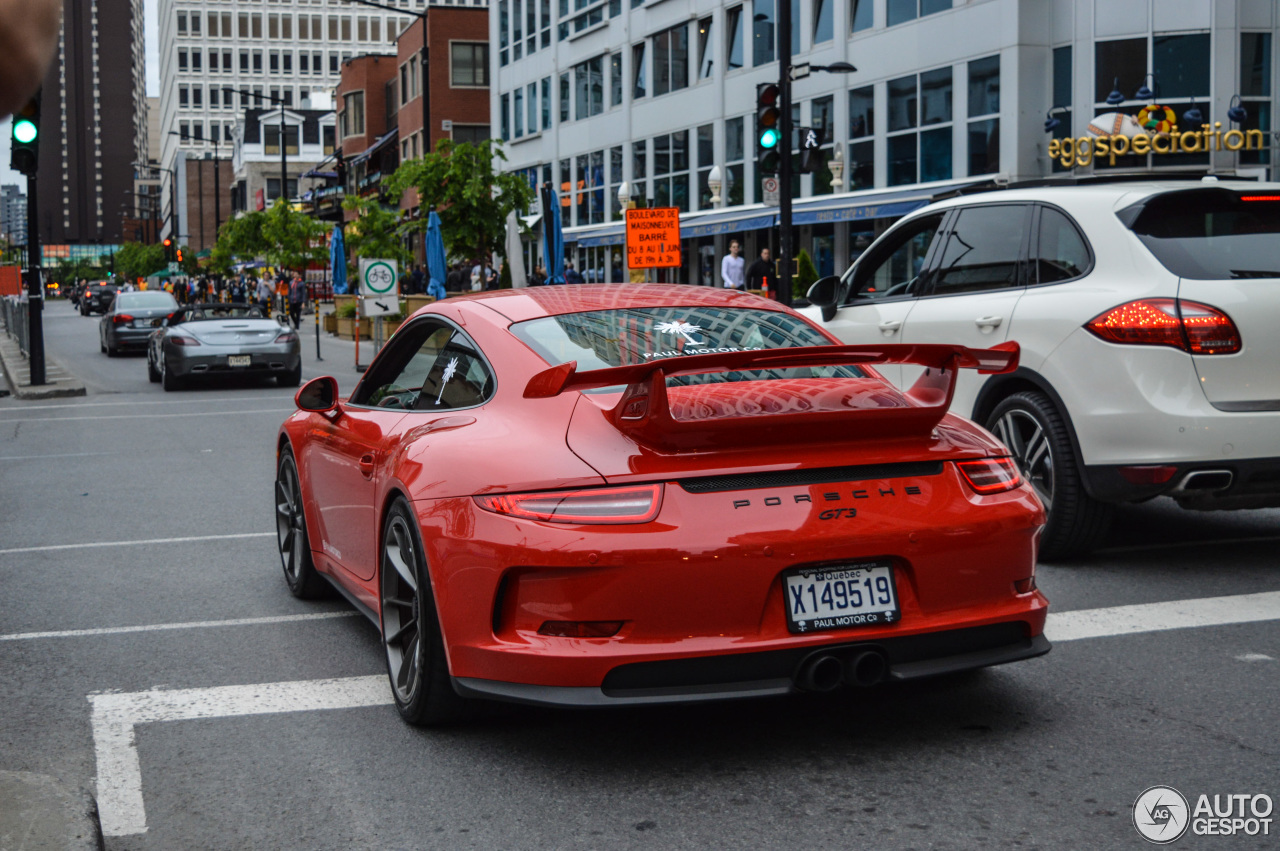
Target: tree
{"x": 294, "y": 240}
{"x": 806, "y": 273}
{"x": 376, "y": 233}
{"x": 473, "y": 199}
{"x": 239, "y": 240}
{"x": 135, "y": 260}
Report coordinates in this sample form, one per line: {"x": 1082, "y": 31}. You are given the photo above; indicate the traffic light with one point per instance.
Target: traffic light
{"x": 178, "y": 254}
{"x": 768, "y": 133}
{"x": 811, "y": 159}
{"x": 25, "y": 155}
{"x": 168, "y": 249}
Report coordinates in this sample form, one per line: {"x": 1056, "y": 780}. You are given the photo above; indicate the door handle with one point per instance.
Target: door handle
{"x": 988, "y": 321}
{"x": 366, "y": 464}
{"x": 890, "y": 326}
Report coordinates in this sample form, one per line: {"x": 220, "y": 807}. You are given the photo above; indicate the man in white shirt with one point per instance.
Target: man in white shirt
{"x": 731, "y": 267}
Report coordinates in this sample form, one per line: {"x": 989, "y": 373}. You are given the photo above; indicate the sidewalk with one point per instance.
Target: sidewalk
{"x": 58, "y": 382}
{"x": 37, "y": 812}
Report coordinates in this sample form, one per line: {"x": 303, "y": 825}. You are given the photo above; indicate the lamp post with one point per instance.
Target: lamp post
{"x": 837, "y": 168}
{"x": 284, "y": 175}
{"x": 714, "y": 182}
{"x": 426, "y": 76}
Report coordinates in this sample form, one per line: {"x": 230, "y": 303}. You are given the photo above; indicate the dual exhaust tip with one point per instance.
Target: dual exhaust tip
{"x": 824, "y": 672}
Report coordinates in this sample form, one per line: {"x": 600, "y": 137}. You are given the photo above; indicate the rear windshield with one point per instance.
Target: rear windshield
{"x": 1211, "y": 234}
{"x": 219, "y": 311}
{"x": 605, "y": 338}
{"x": 137, "y": 300}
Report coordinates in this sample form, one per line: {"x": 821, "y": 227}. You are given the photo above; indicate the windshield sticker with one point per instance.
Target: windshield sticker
{"x": 683, "y": 329}
{"x": 672, "y": 353}
{"x": 449, "y": 372}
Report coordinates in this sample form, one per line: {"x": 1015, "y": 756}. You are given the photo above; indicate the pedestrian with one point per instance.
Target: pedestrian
{"x": 297, "y": 295}
{"x": 571, "y": 275}
{"x": 238, "y": 295}
{"x": 455, "y": 280}
{"x": 761, "y": 275}
{"x": 419, "y": 284}
{"x": 538, "y": 277}
{"x": 731, "y": 267}
{"x": 491, "y": 282}
{"x": 263, "y": 292}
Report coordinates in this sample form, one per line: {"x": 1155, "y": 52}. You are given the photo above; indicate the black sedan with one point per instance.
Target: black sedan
{"x": 207, "y": 340}
{"x": 96, "y": 297}
{"x": 131, "y": 319}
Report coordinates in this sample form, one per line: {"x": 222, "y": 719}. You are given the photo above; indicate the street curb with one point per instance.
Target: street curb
{"x": 61, "y": 383}
{"x": 36, "y": 811}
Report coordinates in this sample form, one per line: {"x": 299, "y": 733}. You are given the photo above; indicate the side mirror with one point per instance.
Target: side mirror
{"x": 318, "y": 396}
{"x": 824, "y": 294}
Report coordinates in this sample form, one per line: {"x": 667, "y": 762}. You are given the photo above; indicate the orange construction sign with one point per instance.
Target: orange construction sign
{"x": 653, "y": 237}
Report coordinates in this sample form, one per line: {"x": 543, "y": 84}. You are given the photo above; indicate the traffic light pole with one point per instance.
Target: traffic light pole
{"x": 784, "y": 143}
{"x": 35, "y": 296}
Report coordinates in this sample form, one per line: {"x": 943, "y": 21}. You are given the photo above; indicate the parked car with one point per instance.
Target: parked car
{"x": 96, "y": 297}
{"x": 602, "y": 495}
{"x": 1147, "y": 316}
{"x": 130, "y": 320}
{"x": 207, "y": 340}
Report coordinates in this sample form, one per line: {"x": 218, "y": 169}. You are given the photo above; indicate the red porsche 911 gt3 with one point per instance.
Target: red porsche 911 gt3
{"x": 609, "y": 495}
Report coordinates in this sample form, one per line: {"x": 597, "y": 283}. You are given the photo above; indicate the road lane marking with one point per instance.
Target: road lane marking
{"x": 146, "y": 542}
{"x": 58, "y": 455}
{"x": 161, "y": 627}
{"x": 1157, "y": 617}
{"x": 119, "y": 782}
{"x": 151, "y": 416}
{"x": 72, "y": 405}
{"x": 116, "y": 716}
{"x": 1255, "y": 657}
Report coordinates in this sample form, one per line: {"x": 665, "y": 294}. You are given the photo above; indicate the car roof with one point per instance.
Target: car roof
{"x": 1109, "y": 196}
{"x": 526, "y": 303}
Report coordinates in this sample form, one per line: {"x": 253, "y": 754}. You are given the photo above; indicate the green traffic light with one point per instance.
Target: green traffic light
{"x": 769, "y": 138}
{"x": 25, "y": 131}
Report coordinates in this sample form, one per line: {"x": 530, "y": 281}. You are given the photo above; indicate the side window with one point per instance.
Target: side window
{"x": 432, "y": 367}
{"x": 892, "y": 269}
{"x": 983, "y": 250}
{"x": 1061, "y": 253}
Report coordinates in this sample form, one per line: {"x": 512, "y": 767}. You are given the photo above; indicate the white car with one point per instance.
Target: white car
{"x": 1149, "y": 319}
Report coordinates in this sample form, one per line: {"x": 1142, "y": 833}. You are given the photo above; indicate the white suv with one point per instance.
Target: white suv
{"x": 1149, "y": 319}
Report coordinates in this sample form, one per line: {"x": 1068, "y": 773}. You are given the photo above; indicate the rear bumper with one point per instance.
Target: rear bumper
{"x": 212, "y": 360}
{"x": 771, "y": 673}
{"x": 1255, "y": 483}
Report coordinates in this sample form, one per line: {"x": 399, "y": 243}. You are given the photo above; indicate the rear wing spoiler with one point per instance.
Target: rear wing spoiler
{"x": 644, "y": 412}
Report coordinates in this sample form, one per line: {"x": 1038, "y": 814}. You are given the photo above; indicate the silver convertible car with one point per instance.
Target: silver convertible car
{"x": 222, "y": 339}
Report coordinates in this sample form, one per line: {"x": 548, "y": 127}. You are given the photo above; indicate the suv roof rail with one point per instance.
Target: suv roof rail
{"x": 1089, "y": 180}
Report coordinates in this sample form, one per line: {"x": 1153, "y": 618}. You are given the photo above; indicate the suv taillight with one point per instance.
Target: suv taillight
{"x": 1193, "y": 327}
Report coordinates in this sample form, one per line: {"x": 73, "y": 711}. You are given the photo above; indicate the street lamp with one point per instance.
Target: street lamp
{"x": 284, "y": 175}
{"x": 426, "y": 77}
{"x": 217, "y": 179}
{"x": 714, "y": 182}
{"x": 837, "y": 168}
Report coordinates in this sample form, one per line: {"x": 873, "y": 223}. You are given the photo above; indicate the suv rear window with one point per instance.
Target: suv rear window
{"x": 1211, "y": 234}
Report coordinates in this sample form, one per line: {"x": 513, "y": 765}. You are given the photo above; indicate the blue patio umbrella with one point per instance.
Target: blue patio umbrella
{"x": 435, "y": 257}
{"x": 552, "y": 235}
{"x": 338, "y": 261}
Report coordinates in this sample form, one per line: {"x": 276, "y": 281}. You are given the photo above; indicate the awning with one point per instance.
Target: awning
{"x": 610, "y": 234}
{"x": 753, "y": 217}
{"x": 868, "y": 204}
{"x": 381, "y": 142}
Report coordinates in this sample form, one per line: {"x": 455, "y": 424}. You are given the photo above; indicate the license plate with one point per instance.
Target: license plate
{"x": 143, "y": 323}
{"x": 840, "y": 597}
{"x": 239, "y": 360}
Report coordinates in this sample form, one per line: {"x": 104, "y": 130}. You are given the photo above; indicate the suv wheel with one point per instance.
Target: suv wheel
{"x": 1036, "y": 434}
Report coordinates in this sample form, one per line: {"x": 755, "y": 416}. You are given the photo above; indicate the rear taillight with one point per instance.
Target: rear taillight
{"x": 637, "y": 504}
{"x": 990, "y": 475}
{"x": 121, "y": 318}
{"x": 287, "y": 337}
{"x": 184, "y": 341}
{"x": 1186, "y": 325}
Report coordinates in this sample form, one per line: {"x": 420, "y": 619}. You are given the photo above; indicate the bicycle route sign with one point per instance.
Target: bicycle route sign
{"x": 378, "y": 277}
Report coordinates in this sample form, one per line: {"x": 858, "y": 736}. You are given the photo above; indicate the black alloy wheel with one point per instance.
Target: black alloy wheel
{"x": 416, "y": 663}
{"x": 291, "y": 534}
{"x": 1036, "y": 433}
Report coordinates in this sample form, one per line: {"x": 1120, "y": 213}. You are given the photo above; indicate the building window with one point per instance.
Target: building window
{"x": 184, "y": 96}
{"x": 1255, "y": 84}
{"x": 257, "y": 60}
{"x": 182, "y": 60}
{"x": 546, "y": 104}
{"x": 546, "y": 24}
{"x": 984, "y": 115}
{"x": 733, "y": 38}
{"x": 822, "y": 119}
{"x": 469, "y": 64}
{"x": 1119, "y": 65}
{"x": 504, "y": 15}
{"x": 213, "y": 97}
{"x": 226, "y": 62}
{"x": 197, "y": 131}
{"x": 353, "y": 104}
{"x": 286, "y": 62}
{"x": 271, "y": 139}
{"x": 861, "y": 165}
{"x": 182, "y": 23}
{"x": 916, "y": 102}
{"x": 244, "y": 61}
{"x": 901, "y": 11}
{"x": 823, "y": 21}
{"x": 273, "y": 187}
{"x": 671, "y": 170}
{"x": 1181, "y": 65}
{"x": 638, "y": 85}
{"x": 196, "y": 57}
{"x": 326, "y": 138}
{"x": 519, "y": 112}
{"x": 762, "y": 32}
{"x": 706, "y": 49}
{"x": 184, "y": 130}
{"x": 273, "y": 61}
{"x": 706, "y": 136}
{"x": 472, "y": 134}
{"x": 615, "y": 79}
{"x": 517, "y": 29}
{"x": 860, "y": 15}
{"x": 565, "y": 96}
{"x": 588, "y": 81}
{"x": 286, "y": 27}
{"x": 504, "y": 118}
{"x": 531, "y": 105}
{"x": 735, "y": 176}
{"x": 304, "y": 63}
{"x": 590, "y": 195}
{"x": 639, "y": 170}
{"x": 213, "y": 61}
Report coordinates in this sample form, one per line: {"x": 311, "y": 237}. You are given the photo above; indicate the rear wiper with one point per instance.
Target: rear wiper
{"x": 1254, "y": 273}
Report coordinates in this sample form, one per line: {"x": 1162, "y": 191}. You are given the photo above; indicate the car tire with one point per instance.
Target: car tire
{"x": 168, "y": 380}
{"x": 300, "y": 573}
{"x": 1035, "y": 431}
{"x": 411, "y": 636}
{"x": 153, "y": 374}
{"x": 292, "y": 378}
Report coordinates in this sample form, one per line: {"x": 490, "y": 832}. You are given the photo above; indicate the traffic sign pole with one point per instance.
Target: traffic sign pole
{"x": 784, "y": 165}
{"x": 35, "y": 294}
